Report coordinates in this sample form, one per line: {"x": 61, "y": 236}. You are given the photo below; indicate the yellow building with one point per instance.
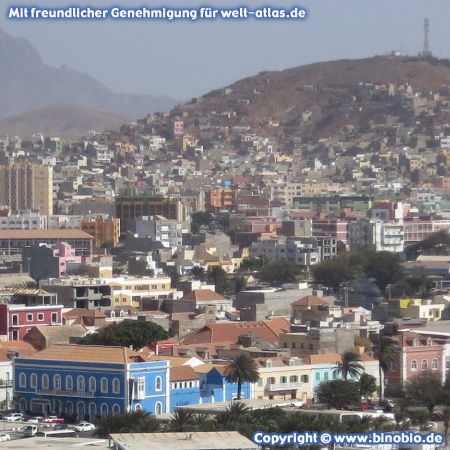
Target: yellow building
{"x": 27, "y": 186}
{"x": 129, "y": 291}
{"x": 285, "y": 378}
{"x": 104, "y": 231}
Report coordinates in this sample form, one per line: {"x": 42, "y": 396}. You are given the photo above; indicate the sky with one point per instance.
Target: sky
{"x": 184, "y": 58}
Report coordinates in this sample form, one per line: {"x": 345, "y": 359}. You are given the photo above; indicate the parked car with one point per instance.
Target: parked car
{"x": 30, "y": 430}
{"x": 61, "y": 426}
{"x": 53, "y": 419}
{"x": 84, "y": 426}
{"x": 4, "y": 437}
{"x": 35, "y": 419}
{"x": 14, "y": 417}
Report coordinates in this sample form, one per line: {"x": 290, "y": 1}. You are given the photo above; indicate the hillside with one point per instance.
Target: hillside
{"x": 68, "y": 122}
{"x": 28, "y": 84}
{"x": 309, "y": 100}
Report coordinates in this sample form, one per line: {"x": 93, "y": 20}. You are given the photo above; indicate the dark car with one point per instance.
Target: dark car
{"x": 61, "y": 426}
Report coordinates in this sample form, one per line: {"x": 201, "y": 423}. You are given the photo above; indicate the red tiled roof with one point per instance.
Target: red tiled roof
{"x": 183, "y": 373}
{"x": 310, "y": 300}
{"x": 326, "y": 358}
{"x": 268, "y": 330}
{"x": 203, "y": 295}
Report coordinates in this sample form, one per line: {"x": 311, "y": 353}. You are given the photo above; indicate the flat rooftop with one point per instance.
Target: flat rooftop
{"x": 215, "y": 440}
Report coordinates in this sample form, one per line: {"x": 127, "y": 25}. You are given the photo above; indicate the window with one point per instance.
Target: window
{"x": 425, "y": 364}
{"x": 293, "y": 379}
{"x": 45, "y": 381}
{"x": 414, "y": 365}
{"x": 260, "y": 382}
{"x": 283, "y": 380}
{"x": 116, "y": 386}
{"x": 158, "y": 384}
{"x": 268, "y": 363}
{"x": 434, "y": 364}
{"x": 40, "y": 317}
{"x": 54, "y": 318}
{"x": 22, "y": 380}
{"x": 92, "y": 384}
{"x": 33, "y": 380}
{"x": 15, "y": 319}
{"x": 325, "y": 376}
{"x": 69, "y": 383}
{"x": 116, "y": 408}
{"x": 158, "y": 408}
{"x": 56, "y": 382}
{"x": 104, "y": 385}
{"x": 304, "y": 378}
{"x": 80, "y": 383}
{"x": 416, "y": 343}
{"x": 104, "y": 409}
{"x": 429, "y": 341}
{"x": 271, "y": 380}
{"x": 317, "y": 376}
{"x": 139, "y": 388}
{"x": 29, "y": 317}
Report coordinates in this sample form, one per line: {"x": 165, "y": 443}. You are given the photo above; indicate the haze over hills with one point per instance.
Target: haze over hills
{"x": 66, "y": 122}
{"x": 28, "y": 84}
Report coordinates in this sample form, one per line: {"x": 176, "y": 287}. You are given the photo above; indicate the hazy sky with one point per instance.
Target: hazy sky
{"x": 183, "y": 59}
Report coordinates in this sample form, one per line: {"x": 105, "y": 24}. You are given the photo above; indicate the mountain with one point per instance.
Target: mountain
{"x": 317, "y": 99}
{"x": 28, "y": 84}
{"x": 67, "y": 122}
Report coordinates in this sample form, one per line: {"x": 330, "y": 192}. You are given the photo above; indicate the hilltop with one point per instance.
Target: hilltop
{"x": 309, "y": 100}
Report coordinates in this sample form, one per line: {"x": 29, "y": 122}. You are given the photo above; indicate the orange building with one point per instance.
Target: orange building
{"x": 104, "y": 231}
{"x": 220, "y": 198}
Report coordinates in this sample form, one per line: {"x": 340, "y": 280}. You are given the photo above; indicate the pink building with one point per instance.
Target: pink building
{"x": 17, "y": 320}
{"x": 419, "y": 353}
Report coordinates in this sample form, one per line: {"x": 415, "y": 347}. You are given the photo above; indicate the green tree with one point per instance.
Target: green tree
{"x": 233, "y": 418}
{"x": 198, "y": 273}
{"x": 349, "y": 366}
{"x": 367, "y": 385}
{"x": 339, "y": 393}
{"x": 280, "y": 272}
{"x": 253, "y": 263}
{"x": 128, "y": 333}
{"x": 219, "y": 278}
{"x": 129, "y": 422}
{"x": 427, "y": 389}
{"x": 386, "y": 350}
{"x": 333, "y": 272}
{"x": 183, "y": 420}
{"x": 241, "y": 369}
{"x": 385, "y": 267}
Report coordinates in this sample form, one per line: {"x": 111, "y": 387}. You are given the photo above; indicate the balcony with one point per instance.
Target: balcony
{"x": 284, "y": 386}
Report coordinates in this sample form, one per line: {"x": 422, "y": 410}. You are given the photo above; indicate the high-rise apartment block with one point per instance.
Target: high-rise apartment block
{"x": 27, "y": 186}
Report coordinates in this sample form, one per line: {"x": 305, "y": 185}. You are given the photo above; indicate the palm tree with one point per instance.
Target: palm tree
{"x": 241, "y": 369}
{"x": 182, "y": 420}
{"x": 386, "y": 351}
{"x": 235, "y": 416}
{"x": 129, "y": 422}
{"x": 349, "y": 366}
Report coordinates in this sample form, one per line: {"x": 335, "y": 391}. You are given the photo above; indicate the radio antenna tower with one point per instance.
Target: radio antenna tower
{"x": 426, "y": 42}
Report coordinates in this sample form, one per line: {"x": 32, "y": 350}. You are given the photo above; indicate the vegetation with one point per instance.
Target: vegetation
{"x": 280, "y": 272}
{"x": 367, "y": 385}
{"x": 130, "y": 422}
{"x": 339, "y": 393}
{"x": 128, "y": 333}
{"x": 426, "y": 389}
{"x": 349, "y": 366}
{"x": 198, "y": 219}
{"x": 386, "y": 351}
{"x": 241, "y": 369}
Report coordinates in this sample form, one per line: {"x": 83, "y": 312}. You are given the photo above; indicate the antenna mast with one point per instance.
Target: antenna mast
{"x": 426, "y": 42}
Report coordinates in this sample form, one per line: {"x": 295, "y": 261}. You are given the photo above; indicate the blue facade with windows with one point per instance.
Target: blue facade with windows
{"x": 215, "y": 388}
{"x": 85, "y": 382}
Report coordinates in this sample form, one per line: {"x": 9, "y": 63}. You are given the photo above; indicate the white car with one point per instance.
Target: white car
{"x": 14, "y": 417}
{"x": 4, "y": 437}
{"x": 35, "y": 419}
{"x": 85, "y": 426}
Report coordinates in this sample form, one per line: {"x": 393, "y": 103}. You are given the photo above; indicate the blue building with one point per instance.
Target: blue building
{"x": 324, "y": 368}
{"x": 86, "y": 382}
{"x": 215, "y": 388}
{"x": 184, "y": 387}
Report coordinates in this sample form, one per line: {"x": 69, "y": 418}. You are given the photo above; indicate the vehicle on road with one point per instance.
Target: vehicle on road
{"x": 4, "y": 437}
{"x": 53, "y": 419}
{"x": 14, "y": 417}
{"x": 35, "y": 419}
{"x": 30, "y": 430}
{"x": 84, "y": 426}
{"x": 61, "y": 426}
